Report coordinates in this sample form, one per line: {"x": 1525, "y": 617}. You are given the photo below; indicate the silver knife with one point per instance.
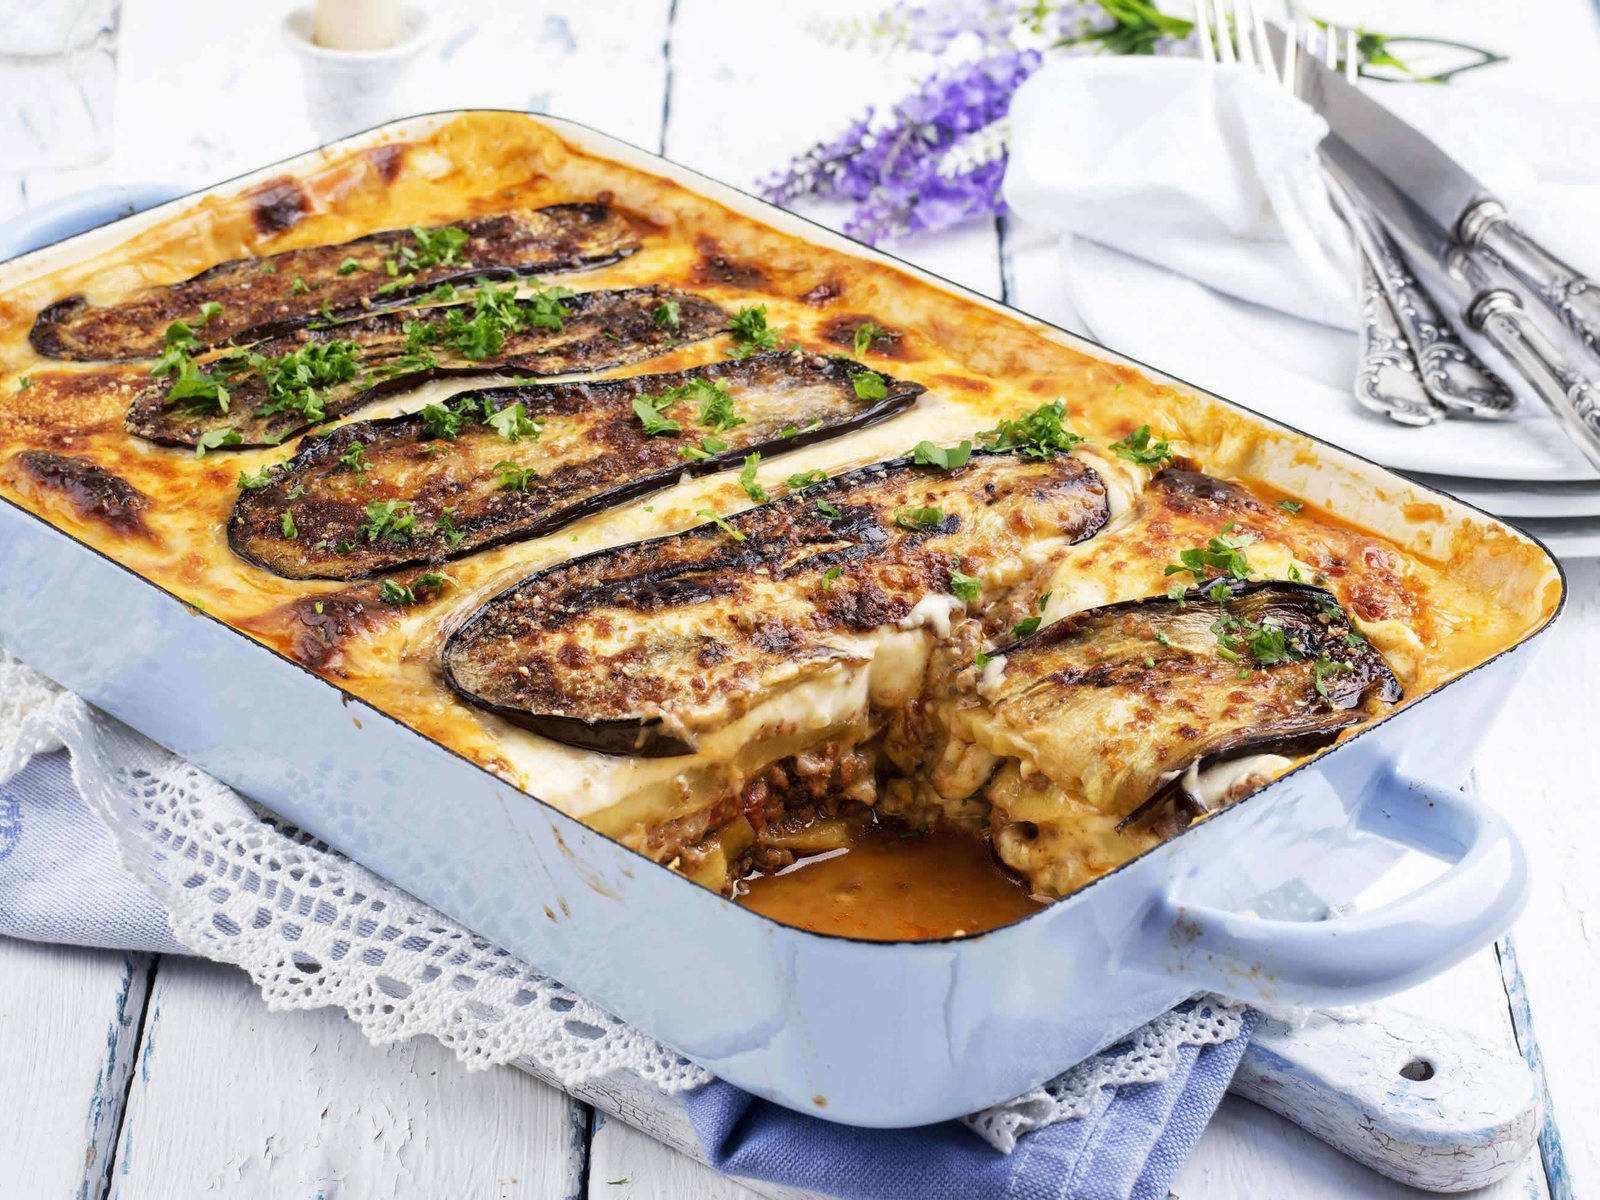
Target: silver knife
{"x": 1495, "y": 312}
{"x": 1451, "y": 197}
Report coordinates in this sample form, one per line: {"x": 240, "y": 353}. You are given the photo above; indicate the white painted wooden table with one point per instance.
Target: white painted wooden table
{"x": 130, "y": 1076}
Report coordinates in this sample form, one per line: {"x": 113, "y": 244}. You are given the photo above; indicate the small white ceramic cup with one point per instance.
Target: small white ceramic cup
{"x": 351, "y": 90}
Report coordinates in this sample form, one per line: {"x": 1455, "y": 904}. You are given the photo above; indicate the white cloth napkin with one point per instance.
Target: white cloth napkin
{"x": 1194, "y": 236}
{"x": 1208, "y": 170}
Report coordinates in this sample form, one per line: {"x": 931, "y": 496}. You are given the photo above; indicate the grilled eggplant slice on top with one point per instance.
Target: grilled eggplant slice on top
{"x": 640, "y": 648}
{"x": 508, "y": 463}
{"x": 284, "y": 385}
{"x": 1106, "y": 718}
{"x": 266, "y": 297}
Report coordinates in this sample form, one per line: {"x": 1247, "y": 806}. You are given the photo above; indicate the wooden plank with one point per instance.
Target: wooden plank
{"x": 69, "y": 1024}
{"x": 235, "y": 1100}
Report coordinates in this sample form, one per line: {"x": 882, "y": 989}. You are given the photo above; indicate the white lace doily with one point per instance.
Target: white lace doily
{"x": 314, "y": 929}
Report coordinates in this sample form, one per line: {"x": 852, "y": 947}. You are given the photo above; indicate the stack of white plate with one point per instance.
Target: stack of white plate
{"x": 1522, "y": 469}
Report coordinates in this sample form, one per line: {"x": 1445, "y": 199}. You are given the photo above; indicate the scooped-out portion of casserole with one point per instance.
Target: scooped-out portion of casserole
{"x": 877, "y": 606}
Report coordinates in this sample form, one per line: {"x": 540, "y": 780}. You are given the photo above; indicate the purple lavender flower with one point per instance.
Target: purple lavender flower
{"x": 892, "y": 168}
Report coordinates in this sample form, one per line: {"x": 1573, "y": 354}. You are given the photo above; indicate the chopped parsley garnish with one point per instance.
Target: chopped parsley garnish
{"x": 981, "y": 659}
{"x": 1221, "y": 553}
{"x": 356, "y": 458}
{"x": 804, "y": 479}
{"x": 434, "y": 248}
{"x": 25, "y": 383}
{"x": 708, "y": 446}
{"x": 289, "y": 530}
{"x": 966, "y": 587}
{"x": 716, "y": 406}
{"x": 870, "y": 386}
{"x": 1041, "y": 433}
{"x": 720, "y": 523}
{"x": 750, "y": 333}
{"x": 515, "y": 478}
{"x": 828, "y": 578}
{"x": 212, "y": 438}
{"x": 1290, "y": 506}
{"x": 392, "y": 519}
{"x": 269, "y": 268}
{"x": 349, "y": 267}
{"x": 250, "y": 480}
{"x": 396, "y": 593}
{"x": 866, "y": 333}
{"x": 513, "y": 423}
{"x": 828, "y": 510}
{"x": 665, "y": 314}
{"x": 447, "y": 527}
{"x": 1143, "y": 448}
{"x": 648, "y": 410}
{"x": 209, "y": 309}
{"x": 919, "y": 518}
{"x": 1322, "y": 668}
{"x": 1026, "y": 626}
{"x": 299, "y": 286}
{"x": 442, "y": 422}
{"x": 946, "y": 458}
{"x": 747, "y": 478}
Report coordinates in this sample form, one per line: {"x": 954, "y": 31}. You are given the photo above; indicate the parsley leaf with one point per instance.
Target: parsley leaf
{"x": 299, "y": 286}
{"x": 865, "y": 333}
{"x": 442, "y": 422}
{"x": 250, "y": 480}
{"x": 648, "y": 410}
{"x": 716, "y": 406}
{"x": 447, "y": 527}
{"x": 349, "y": 267}
{"x": 747, "y": 478}
{"x": 26, "y": 382}
{"x": 1221, "y": 553}
{"x": 1041, "y": 433}
{"x": 289, "y": 530}
{"x": 828, "y": 510}
{"x": 513, "y": 423}
{"x": 666, "y": 315}
{"x": 919, "y": 518}
{"x": 1026, "y": 626}
{"x": 828, "y": 578}
{"x": 946, "y": 458}
{"x": 966, "y": 587}
{"x": 356, "y": 458}
{"x": 209, "y": 309}
{"x": 392, "y": 519}
{"x": 212, "y": 438}
{"x": 1142, "y": 448}
{"x": 804, "y": 479}
{"x": 870, "y": 386}
{"x": 749, "y": 329}
{"x": 720, "y": 523}
{"x": 515, "y": 478}
{"x": 1290, "y": 506}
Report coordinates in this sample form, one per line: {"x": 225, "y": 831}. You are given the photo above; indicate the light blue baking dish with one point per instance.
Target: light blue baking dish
{"x": 870, "y": 1033}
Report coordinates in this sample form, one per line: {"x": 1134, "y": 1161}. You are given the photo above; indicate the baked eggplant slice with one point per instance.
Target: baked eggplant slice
{"x": 266, "y": 297}
{"x": 633, "y": 649}
{"x": 1106, "y": 717}
{"x": 317, "y": 373}
{"x": 506, "y": 463}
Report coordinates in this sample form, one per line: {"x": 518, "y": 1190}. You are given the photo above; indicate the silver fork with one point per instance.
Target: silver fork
{"x": 1412, "y": 367}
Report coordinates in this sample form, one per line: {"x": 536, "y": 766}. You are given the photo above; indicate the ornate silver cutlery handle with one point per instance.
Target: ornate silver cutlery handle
{"x": 1387, "y": 381}
{"x": 1497, "y": 313}
{"x": 1452, "y": 374}
{"x": 1567, "y": 292}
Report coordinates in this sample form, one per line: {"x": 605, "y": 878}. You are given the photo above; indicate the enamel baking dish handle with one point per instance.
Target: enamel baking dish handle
{"x": 62, "y": 218}
{"x": 1347, "y": 960}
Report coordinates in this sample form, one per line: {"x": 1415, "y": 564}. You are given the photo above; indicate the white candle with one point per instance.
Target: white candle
{"x": 358, "y": 24}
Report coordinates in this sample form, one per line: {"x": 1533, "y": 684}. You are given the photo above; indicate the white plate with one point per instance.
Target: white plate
{"x": 1571, "y": 537}
{"x": 1511, "y": 498}
{"x": 1295, "y": 371}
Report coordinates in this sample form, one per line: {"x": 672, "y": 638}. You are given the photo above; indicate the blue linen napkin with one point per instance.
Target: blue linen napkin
{"x": 60, "y": 881}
